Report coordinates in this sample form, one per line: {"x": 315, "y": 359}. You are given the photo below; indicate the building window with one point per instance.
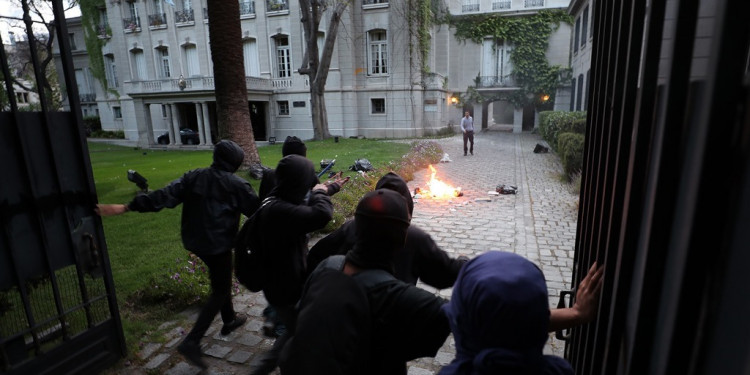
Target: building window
{"x": 164, "y": 111}
{"x": 139, "y": 63}
{"x": 373, "y": 2}
{"x": 585, "y": 26}
{"x": 283, "y": 57}
{"x": 72, "y": 38}
{"x": 276, "y": 5}
{"x": 579, "y": 98}
{"x": 283, "y": 107}
{"x": 22, "y": 97}
{"x": 573, "y": 95}
{"x": 377, "y": 106}
{"x": 162, "y": 55}
{"x": 378, "y": 52}
{"x": 110, "y": 70}
{"x": 577, "y": 35}
{"x": 191, "y": 60}
{"x": 117, "y": 112}
{"x": 250, "y": 54}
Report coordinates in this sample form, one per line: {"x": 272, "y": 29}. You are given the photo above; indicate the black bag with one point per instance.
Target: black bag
{"x": 248, "y": 258}
{"x": 363, "y": 165}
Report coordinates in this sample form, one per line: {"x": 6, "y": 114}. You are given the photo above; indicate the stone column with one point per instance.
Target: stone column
{"x": 207, "y": 124}
{"x": 149, "y": 125}
{"x": 176, "y": 139}
{"x": 170, "y": 121}
{"x": 199, "y": 114}
{"x": 518, "y": 120}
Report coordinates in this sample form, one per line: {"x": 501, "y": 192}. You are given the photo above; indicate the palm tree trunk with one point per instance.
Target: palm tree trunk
{"x": 232, "y": 112}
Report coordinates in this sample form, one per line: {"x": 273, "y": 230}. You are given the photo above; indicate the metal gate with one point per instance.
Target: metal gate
{"x": 58, "y": 311}
{"x": 665, "y": 200}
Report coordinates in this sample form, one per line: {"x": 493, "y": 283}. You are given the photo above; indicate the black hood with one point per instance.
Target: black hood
{"x": 295, "y": 176}
{"x": 394, "y": 182}
{"x": 228, "y": 156}
{"x": 293, "y": 146}
{"x": 381, "y": 222}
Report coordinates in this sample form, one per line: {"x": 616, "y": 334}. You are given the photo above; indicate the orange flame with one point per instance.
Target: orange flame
{"x": 440, "y": 189}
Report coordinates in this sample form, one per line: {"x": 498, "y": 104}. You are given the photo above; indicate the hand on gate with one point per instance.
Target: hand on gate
{"x": 588, "y": 292}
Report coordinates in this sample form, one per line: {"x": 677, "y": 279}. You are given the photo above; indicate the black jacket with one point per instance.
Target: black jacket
{"x": 213, "y": 199}
{"x": 283, "y": 227}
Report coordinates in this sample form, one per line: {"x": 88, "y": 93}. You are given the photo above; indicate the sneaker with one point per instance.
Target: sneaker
{"x": 234, "y": 324}
{"x": 191, "y": 350}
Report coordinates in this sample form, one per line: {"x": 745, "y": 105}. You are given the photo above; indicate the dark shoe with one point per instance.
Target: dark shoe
{"x": 472, "y": 153}
{"x": 191, "y": 350}
{"x": 269, "y": 330}
{"x": 234, "y": 324}
{"x": 464, "y": 154}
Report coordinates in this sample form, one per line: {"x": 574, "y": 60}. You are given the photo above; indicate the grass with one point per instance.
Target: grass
{"x": 143, "y": 245}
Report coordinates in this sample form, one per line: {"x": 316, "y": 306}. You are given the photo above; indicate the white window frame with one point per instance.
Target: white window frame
{"x": 192, "y": 65}
{"x": 117, "y": 112}
{"x": 280, "y": 105}
{"x": 163, "y": 62}
{"x": 283, "y": 57}
{"x": 139, "y": 64}
{"x": 251, "y": 57}
{"x": 377, "y": 52}
{"x": 372, "y": 107}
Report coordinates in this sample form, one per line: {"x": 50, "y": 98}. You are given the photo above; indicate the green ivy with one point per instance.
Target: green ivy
{"x": 94, "y": 44}
{"x": 529, "y": 35}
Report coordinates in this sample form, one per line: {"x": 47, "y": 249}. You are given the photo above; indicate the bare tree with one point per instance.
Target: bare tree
{"x": 232, "y": 108}
{"x": 316, "y": 64}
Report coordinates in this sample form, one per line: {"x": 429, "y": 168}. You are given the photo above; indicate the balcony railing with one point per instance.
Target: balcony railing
{"x": 87, "y": 98}
{"x": 247, "y": 8}
{"x": 374, "y": 2}
{"x": 533, "y": 3}
{"x": 191, "y": 84}
{"x": 131, "y": 25}
{"x": 495, "y": 81}
{"x": 184, "y": 16}
{"x": 467, "y": 8}
{"x": 157, "y": 21}
{"x": 501, "y": 5}
{"x": 277, "y": 5}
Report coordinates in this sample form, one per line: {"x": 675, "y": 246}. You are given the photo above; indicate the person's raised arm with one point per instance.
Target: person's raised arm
{"x": 111, "y": 209}
{"x": 586, "y": 302}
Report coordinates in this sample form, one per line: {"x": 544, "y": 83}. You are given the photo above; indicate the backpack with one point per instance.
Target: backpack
{"x": 248, "y": 255}
{"x": 363, "y": 165}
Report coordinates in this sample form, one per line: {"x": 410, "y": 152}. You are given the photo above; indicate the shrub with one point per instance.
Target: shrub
{"x": 553, "y": 123}
{"x": 421, "y": 154}
{"x": 117, "y": 134}
{"x": 570, "y": 148}
{"x": 92, "y": 124}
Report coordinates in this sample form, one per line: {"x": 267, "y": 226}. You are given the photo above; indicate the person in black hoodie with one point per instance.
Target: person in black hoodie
{"x": 213, "y": 199}
{"x": 284, "y": 222}
{"x": 421, "y": 258}
{"x": 292, "y": 146}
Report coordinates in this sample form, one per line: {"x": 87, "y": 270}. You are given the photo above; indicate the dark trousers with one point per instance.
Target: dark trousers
{"x": 270, "y": 360}
{"x": 220, "y": 273}
{"x": 469, "y": 136}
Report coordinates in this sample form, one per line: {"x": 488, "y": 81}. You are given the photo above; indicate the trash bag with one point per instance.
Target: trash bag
{"x": 363, "y": 165}
{"x": 540, "y": 149}
{"x": 506, "y": 189}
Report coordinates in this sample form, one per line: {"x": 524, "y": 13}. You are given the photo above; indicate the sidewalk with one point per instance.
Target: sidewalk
{"x": 539, "y": 223}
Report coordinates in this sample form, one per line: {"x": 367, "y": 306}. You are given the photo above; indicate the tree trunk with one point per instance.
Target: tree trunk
{"x": 319, "y": 114}
{"x": 232, "y": 112}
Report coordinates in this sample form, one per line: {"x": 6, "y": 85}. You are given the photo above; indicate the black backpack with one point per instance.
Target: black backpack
{"x": 248, "y": 255}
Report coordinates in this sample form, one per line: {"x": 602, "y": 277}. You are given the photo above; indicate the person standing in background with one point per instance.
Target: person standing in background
{"x": 467, "y": 127}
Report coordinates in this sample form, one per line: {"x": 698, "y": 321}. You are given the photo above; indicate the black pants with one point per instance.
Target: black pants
{"x": 270, "y": 360}
{"x": 220, "y": 273}
{"x": 469, "y": 136}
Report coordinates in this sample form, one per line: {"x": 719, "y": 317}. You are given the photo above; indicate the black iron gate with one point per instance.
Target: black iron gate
{"x": 665, "y": 199}
{"x": 58, "y": 311}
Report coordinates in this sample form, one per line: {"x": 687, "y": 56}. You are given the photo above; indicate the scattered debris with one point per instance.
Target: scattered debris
{"x": 493, "y": 193}
{"x": 540, "y": 149}
{"x": 446, "y": 158}
{"x": 506, "y": 189}
{"x": 483, "y": 200}
{"x": 361, "y": 165}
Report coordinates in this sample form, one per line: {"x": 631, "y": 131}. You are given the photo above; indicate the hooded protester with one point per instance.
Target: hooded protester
{"x": 374, "y": 323}
{"x": 213, "y": 199}
{"x": 292, "y": 146}
{"x": 499, "y": 315}
{"x": 420, "y": 258}
{"x": 283, "y": 225}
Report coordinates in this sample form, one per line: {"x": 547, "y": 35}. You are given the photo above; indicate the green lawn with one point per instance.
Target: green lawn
{"x": 143, "y": 245}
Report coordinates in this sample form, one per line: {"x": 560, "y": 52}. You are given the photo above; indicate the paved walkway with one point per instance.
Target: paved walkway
{"x": 539, "y": 223}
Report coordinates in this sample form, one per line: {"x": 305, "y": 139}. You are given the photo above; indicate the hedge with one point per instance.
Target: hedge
{"x": 554, "y": 123}
{"x": 570, "y": 148}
